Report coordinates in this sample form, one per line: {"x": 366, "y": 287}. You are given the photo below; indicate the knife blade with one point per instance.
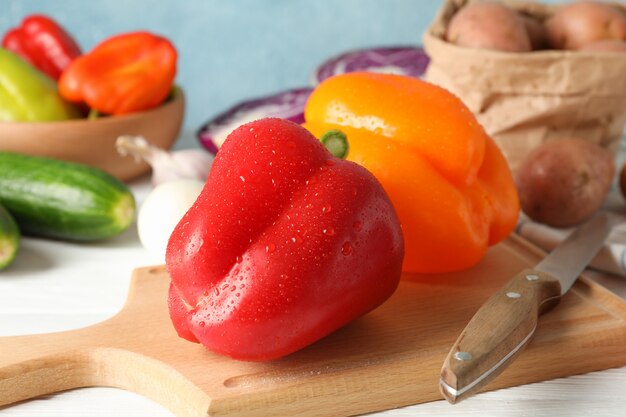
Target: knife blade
{"x": 505, "y": 324}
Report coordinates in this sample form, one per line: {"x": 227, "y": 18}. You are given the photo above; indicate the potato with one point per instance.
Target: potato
{"x": 488, "y": 25}
{"x": 563, "y": 182}
{"x": 537, "y": 32}
{"x": 610, "y": 45}
{"x": 578, "y": 24}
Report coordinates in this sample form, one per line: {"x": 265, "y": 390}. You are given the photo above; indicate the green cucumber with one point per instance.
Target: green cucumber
{"x": 9, "y": 238}
{"x": 63, "y": 200}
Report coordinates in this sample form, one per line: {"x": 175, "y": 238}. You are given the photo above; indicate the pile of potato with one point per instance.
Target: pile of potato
{"x": 582, "y": 25}
{"x": 564, "y": 181}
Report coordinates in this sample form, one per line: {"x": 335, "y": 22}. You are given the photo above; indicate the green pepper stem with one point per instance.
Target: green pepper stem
{"x": 336, "y": 142}
{"x": 93, "y": 114}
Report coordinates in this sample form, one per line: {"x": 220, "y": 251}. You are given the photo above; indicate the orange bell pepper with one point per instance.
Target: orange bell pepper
{"x": 124, "y": 74}
{"x": 451, "y": 186}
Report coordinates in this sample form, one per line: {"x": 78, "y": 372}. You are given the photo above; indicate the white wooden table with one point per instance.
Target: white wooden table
{"x": 55, "y": 286}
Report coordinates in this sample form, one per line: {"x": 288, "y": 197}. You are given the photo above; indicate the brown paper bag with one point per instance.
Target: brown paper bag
{"x": 525, "y": 99}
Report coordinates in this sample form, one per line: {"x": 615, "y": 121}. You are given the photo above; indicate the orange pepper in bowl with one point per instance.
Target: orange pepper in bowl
{"x": 448, "y": 181}
{"x": 126, "y": 73}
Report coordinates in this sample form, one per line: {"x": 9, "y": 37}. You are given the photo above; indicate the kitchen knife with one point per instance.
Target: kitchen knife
{"x": 505, "y": 324}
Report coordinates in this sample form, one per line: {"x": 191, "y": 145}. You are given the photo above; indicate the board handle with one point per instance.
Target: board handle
{"x": 36, "y": 365}
{"x": 497, "y": 333}
{"x": 27, "y": 374}
{"x": 113, "y": 353}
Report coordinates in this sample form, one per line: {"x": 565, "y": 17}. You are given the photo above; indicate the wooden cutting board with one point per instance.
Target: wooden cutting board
{"x": 388, "y": 358}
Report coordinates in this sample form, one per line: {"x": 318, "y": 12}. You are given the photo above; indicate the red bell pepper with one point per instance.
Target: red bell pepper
{"x": 44, "y": 43}
{"x": 124, "y": 74}
{"x": 284, "y": 245}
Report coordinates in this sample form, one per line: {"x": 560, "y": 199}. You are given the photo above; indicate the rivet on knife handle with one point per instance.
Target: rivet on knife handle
{"x": 497, "y": 333}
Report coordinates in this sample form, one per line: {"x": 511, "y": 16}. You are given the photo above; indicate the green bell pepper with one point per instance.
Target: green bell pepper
{"x": 28, "y": 95}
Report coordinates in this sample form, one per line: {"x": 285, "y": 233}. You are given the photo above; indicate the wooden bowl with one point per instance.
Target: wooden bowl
{"x": 92, "y": 142}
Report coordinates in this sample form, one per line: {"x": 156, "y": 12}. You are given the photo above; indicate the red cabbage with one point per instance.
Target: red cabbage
{"x": 286, "y": 105}
{"x": 290, "y": 104}
{"x": 403, "y": 60}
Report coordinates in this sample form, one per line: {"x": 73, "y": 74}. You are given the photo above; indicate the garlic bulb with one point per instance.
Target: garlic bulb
{"x": 161, "y": 211}
{"x": 166, "y": 165}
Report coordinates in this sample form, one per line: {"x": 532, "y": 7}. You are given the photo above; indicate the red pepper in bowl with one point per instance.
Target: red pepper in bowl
{"x": 284, "y": 245}
{"x": 126, "y": 73}
{"x": 44, "y": 43}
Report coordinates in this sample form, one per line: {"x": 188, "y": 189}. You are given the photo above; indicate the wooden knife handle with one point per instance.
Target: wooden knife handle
{"x": 497, "y": 333}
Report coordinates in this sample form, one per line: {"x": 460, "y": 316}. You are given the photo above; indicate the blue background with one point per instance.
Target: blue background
{"x": 230, "y": 50}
